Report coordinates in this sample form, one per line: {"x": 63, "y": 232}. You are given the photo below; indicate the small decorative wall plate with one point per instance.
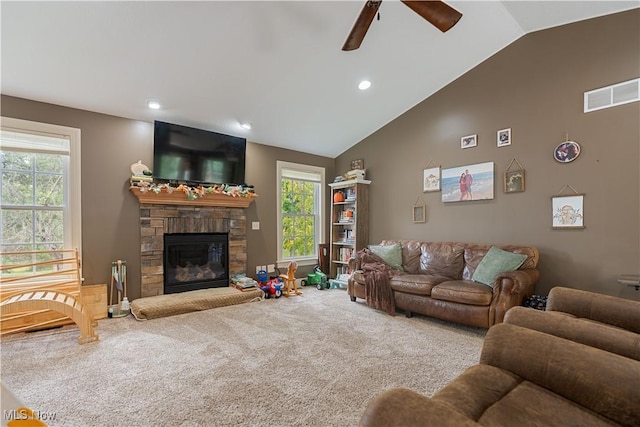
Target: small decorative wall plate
{"x": 566, "y": 152}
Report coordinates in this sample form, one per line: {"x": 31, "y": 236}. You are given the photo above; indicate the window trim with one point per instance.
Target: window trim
{"x": 73, "y": 224}
{"x": 319, "y": 170}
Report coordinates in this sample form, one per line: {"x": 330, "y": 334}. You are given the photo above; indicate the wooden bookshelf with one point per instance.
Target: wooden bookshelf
{"x": 349, "y": 223}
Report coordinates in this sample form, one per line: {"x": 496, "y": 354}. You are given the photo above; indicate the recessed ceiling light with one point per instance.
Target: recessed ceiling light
{"x": 364, "y": 85}
{"x": 246, "y": 126}
{"x": 153, "y": 104}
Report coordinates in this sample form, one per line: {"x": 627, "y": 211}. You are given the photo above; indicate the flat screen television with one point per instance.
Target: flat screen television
{"x": 186, "y": 154}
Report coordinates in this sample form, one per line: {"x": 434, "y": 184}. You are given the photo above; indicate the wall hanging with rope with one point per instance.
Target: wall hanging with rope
{"x": 431, "y": 177}
{"x": 567, "y": 209}
{"x": 514, "y": 177}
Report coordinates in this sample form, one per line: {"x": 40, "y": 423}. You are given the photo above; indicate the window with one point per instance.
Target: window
{"x": 301, "y": 194}
{"x": 40, "y": 186}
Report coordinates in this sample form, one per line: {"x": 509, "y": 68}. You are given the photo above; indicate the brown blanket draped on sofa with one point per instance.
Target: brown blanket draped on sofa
{"x": 378, "y": 293}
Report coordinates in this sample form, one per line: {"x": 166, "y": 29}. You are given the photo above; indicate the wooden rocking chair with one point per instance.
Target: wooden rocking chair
{"x": 289, "y": 280}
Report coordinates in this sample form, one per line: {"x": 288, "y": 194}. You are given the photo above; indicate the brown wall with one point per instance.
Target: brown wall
{"x": 110, "y": 213}
{"x": 534, "y": 86}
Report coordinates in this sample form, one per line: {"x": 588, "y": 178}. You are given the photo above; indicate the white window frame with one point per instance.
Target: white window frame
{"x": 281, "y": 167}
{"x": 73, "y": 210}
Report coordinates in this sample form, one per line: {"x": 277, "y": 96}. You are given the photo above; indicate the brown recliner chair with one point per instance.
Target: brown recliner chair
{"x": 525, "y": 377}
{"x": 601, "y": 321}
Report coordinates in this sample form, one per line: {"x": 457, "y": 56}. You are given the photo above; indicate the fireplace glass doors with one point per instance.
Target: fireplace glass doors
{"x": 195, "y": 261}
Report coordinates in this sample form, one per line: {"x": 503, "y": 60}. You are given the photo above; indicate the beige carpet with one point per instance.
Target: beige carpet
{"x": 313, "y": 360}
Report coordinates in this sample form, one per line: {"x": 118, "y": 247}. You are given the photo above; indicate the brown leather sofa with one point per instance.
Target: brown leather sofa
{"x": 436, "y": 282}
{"x": 525, "y": 377}
{"x": 601, "y": 321}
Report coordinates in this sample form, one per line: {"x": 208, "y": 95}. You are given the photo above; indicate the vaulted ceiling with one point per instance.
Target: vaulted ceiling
{"x": 275, "y": 64}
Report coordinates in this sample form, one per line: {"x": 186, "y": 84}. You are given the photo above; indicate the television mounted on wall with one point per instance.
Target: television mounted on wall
{"x": 189, "y": 155}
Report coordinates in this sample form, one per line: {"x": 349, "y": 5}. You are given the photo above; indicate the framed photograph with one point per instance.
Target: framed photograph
{"x": 504, "y": 137}
{"x": 467, "y": 183}
{"x": 357, "y": 164}
{"x": 431, "y": 179}
{"x": 567, "y": 211}
{"x": 420, "y": 213}
{"x": 566, "y": 152}
{"x": 469, "y": 141}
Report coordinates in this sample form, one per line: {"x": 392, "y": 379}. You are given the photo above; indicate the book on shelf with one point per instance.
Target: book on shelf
{"x": 344, "y": 254}
{"x": 342, "y": 270}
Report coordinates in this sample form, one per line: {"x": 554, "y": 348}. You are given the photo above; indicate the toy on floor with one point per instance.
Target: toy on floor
{"x": 317, "y": 278}
{"x": 289, "y": 279}
{"x": 273, "y": 288}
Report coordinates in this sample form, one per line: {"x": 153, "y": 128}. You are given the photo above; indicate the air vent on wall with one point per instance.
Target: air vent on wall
{"x": 610, "y": 96}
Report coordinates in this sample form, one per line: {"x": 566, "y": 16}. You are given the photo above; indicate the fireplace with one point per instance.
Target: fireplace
{"x": 195, "y": 261}
{"x": 158, "y": 220}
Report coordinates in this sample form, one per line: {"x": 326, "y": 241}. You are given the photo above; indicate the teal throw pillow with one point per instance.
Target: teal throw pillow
{"x": 495, "y": 262}
{"x": 391, "y": 254}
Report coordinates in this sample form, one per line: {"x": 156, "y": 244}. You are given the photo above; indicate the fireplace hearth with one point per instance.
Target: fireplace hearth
{"x": 195, "y": 261}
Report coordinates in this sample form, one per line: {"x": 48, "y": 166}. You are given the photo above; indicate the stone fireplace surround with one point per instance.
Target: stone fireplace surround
{"x": 163, "y": 213}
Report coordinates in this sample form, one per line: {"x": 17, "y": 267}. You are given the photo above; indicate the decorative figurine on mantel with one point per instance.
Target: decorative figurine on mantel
{"x": 140, "y": 173}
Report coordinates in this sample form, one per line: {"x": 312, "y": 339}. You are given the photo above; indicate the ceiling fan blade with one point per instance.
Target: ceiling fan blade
{"x": 441, "y": 15}
{"x": 361, "y": 25}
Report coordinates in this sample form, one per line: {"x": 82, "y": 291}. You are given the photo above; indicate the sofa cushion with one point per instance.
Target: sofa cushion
{"x": 391, "y": 254}
{"x": 442, "y": 259}
{"x": 495, "y": 262}
{"x": 410, "y": 254}
{"x": 463, "y": 291}
{"x": 523, "y": 404}
{"x": 474, "y": 252}
{"x": 417, "y": 284}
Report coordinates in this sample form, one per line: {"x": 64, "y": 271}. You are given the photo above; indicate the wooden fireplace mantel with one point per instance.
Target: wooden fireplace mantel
{"x": 180, "y": 198}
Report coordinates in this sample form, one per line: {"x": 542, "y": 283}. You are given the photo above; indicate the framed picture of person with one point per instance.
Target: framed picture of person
{"x": 468, "y": 141}
{"x": 566, "y": 152}
{"x": 468, "y": 183}
{"x": 504, "y": 137}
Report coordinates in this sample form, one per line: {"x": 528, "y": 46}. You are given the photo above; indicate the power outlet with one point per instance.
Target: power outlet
{"x": 258, "y": 268}
{"x": 271, "y": 268}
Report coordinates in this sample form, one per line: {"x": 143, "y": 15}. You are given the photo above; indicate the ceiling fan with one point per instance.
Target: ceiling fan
{"x": 441, "y": 15}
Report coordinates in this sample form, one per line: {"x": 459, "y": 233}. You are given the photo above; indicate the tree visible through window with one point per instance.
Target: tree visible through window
{"x": 300, "y": 216}
{"x": 32, "y": 200}
{"x": 298, "y": 219}
{"x": 39, "y": 186}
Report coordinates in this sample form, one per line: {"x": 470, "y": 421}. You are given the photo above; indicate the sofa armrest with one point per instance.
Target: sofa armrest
{"x": 510, "y": 289}
{"x": 354, "y": 263}
{"x": 401, "y": 407}
{"x": 619, "y": 312}
{"x": 604, "y": 382}
{"x": 594, "y": 334}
